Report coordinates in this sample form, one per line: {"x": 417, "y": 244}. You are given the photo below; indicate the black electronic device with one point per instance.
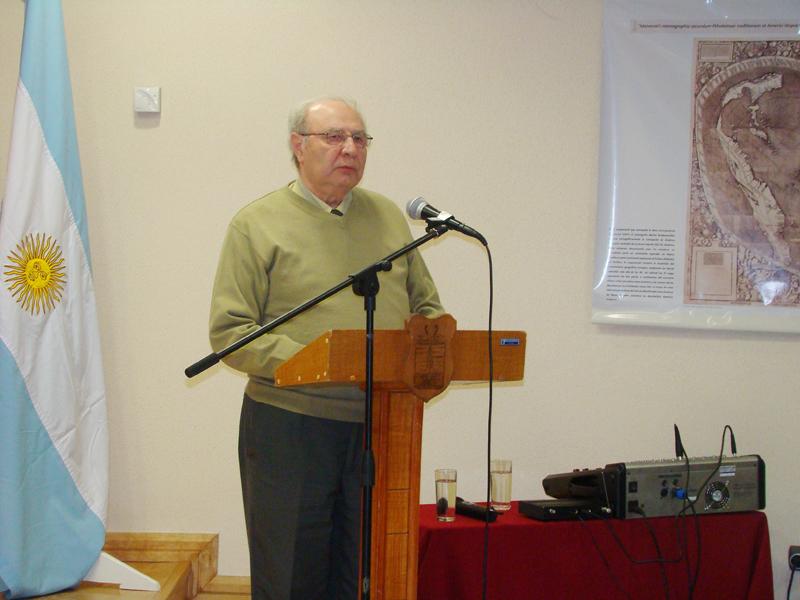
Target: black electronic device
{"x": 601, "y": 487}
{"x": 580, "y": 483}
{"x": 568, "y": 509}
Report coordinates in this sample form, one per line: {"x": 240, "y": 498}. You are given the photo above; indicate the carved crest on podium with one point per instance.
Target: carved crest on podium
{"x": 429, "y": 361}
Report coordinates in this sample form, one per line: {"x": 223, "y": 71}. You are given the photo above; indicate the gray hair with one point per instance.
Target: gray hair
{"x": 297, "y": 118}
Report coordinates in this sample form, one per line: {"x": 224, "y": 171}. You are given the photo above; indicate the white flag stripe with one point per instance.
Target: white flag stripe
{"x": 43, "y": 196}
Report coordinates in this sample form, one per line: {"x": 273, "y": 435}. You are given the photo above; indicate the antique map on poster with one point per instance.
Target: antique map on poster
{"x": 743, "y": 227}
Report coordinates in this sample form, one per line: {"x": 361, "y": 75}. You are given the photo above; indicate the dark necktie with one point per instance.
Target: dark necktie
{"x": 337, "y": 212}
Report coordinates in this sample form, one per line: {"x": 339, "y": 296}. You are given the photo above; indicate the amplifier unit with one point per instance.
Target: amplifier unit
{"x": 661, "y": 488}
{"x": 658, "y": 488}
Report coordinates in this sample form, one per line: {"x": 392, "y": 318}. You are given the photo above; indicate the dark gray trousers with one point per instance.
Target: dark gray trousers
{"x": 301, "y": 485}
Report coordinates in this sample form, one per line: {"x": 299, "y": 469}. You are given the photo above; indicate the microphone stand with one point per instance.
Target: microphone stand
{"x": 364, "y": 283}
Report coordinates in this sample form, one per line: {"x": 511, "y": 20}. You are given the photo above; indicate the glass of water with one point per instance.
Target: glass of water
{"x": 445, "y": 494}
{"x": 500, "y": 471}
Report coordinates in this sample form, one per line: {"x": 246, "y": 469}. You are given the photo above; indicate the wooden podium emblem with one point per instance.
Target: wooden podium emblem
{"x": 429, "y": 361}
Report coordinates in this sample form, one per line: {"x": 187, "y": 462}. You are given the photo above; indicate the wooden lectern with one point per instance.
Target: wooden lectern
{"x": 410, "y": 366}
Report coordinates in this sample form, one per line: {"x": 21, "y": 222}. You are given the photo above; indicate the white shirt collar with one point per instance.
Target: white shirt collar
{"x": 301, "y": 190}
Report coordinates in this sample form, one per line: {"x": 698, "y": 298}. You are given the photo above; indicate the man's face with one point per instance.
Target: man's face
{"x": 330, "y": 171}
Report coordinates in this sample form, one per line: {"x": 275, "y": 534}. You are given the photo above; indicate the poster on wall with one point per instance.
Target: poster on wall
{"x": 698, "y": 221}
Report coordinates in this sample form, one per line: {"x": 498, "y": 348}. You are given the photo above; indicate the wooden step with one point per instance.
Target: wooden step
{"x": 226, "y": 587}
{"x": 174, "y": 577}
{"x": 200, "y": 549}
{"x": 182, "y": 563}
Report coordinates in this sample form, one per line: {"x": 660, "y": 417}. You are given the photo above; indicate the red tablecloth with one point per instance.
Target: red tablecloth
{"x": 530, "y": 559}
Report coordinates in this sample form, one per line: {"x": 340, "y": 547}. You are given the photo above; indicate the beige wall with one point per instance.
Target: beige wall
{"x": 490, "y": 110}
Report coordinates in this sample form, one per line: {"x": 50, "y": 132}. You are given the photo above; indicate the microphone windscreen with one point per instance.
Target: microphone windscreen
{"x": 415, "y": 206}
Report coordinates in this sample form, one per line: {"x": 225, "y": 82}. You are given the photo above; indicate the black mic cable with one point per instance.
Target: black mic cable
{"x": 418, "y": 208}
{"x": 489, "y": 428}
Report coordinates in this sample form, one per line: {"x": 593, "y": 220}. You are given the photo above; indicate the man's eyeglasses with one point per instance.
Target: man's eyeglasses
{"x": 337, "y": 137}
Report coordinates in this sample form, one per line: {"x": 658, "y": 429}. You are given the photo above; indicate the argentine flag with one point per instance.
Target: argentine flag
{"x": 53, "y": 430}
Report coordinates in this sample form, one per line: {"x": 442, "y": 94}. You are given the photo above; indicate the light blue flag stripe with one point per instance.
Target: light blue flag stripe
{"x": 44, "y": 518}
{"x": 45, "y": 73}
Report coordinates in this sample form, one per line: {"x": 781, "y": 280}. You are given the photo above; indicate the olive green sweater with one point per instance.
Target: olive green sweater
{"x": 281, "y": 251}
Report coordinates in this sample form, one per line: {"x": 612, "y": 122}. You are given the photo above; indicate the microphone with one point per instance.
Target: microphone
{"x": 418, "y": 208}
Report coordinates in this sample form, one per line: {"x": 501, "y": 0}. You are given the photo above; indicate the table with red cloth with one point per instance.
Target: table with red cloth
{"x": 594, "y": 559}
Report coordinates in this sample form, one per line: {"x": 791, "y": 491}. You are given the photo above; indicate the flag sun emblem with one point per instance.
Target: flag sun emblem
{"x": 35, "y": 275}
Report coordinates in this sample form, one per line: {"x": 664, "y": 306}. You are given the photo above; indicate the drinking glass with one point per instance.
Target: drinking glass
{"x": 445, "y": 494}
{"x": 500, "y": 472}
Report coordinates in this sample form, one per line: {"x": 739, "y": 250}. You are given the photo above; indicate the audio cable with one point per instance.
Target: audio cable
{"x": 485, "y": 576}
